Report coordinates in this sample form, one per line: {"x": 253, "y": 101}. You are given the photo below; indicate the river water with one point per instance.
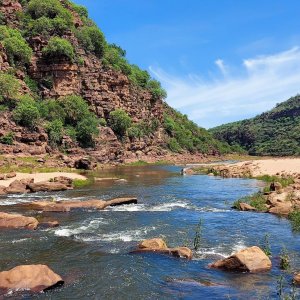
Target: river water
{"x": 91, "y": 249}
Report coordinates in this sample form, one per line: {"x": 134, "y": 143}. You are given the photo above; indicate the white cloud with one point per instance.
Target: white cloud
{"x": 263, "y": 81}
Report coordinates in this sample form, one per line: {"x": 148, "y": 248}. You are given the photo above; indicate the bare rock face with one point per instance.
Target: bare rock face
{"x": 33, "y": 277}
{"x": 252, "y": 260}
{"x": 158, "y": 245}
{"x": 17, "y": 221}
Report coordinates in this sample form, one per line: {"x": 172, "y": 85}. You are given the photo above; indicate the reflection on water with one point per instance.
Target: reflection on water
{"x": 91, "y": 249}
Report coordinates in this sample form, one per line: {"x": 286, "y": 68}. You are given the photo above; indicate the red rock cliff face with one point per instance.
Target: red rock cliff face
{"x": 104, "y": 89}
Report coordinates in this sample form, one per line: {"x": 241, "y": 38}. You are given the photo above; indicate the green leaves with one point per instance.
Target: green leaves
{"x": 58, "y": 47}
{"x": 119, "y": 121}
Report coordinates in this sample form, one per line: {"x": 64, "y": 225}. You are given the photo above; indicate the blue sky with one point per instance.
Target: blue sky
{"x": 219, "y": 60}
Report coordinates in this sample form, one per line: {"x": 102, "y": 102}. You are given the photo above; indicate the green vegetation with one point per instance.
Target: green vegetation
{"x": 276, "y": 132}
{"x": 17, "y": 49}
{"x": 26, "y": 112}
{"x": 80, "y": 183}
{"x": 285, "y": 261}
{"x": 198, "y": 235}
{"x": 266, "y": 245}
{"x": 256, "y": 200}
{"x": 186, "y": 135}
{"x": 294, "y": 217}
{"x": 9, "y": 87}
{"x": 7, "y": 139}
{"x": 58, "y": 47}
{"x": 55, "y": 132}
{"x": 120, "y": 121}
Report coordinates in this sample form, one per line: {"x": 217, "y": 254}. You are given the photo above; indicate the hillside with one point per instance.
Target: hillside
{"x": 64, "y": 88}
{"x": 276, "y": 132}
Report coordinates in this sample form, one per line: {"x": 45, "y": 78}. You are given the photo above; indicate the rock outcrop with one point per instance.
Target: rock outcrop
{"x": 17, "y": 221}
{"x": 29, "y": 277}
{"x": 67, "y": 206}
{"x": 252, "y": 260}
{"x": 158, "y": 245}
{"x": 47, "y": 186}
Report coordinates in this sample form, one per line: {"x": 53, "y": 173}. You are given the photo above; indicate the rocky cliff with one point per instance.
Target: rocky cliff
{"x": 102, "y": 86}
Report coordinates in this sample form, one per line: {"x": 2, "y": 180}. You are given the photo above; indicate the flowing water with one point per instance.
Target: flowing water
{"x": 91, "y": 249}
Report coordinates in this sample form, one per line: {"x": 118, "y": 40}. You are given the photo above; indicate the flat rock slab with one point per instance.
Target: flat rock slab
{"x": 17, "y": 221}
{"x": 47, "y": 186}
{"x": 29, "y": 277}
{"x": 67, "y": 206}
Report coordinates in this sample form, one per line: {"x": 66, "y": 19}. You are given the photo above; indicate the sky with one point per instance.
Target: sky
{"x": 219, "y": 60}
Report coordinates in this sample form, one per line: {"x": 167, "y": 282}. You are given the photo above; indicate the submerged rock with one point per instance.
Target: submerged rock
{"x": 252, "y": 260}
{"x": 30, "y": 277}
{"x": 17, "y": 221}
{"x": 159, "y": 246}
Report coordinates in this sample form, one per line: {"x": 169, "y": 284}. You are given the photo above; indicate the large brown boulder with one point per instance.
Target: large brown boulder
{"x": 297, "y": 279}
{"x": 17, "y": 221}
{"x": 64, "y": 180}
{"x": 158, "y": 245}
{"x": 155, "y": 243}
{"x": 47, "y": 186}
{"x": 11, "y": 175}
{"x": 33, "y": 277}
{"x": 83, "y": 163}
{"x": 17, "y": 187}
{"x": 3, "y": 190}
{"x": 252, "y": 259}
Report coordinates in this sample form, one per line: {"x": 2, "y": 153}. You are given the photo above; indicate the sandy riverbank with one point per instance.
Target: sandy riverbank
{"x": 39, "y": 177}
{"x": 274, "y": 166}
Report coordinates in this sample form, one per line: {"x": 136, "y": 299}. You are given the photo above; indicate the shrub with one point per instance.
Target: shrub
{"x": 135, "y": 132}
{"x": 86, "y": 130}
{"x": 2, "y": 19}
{"x": 157, "y": 91}
{"x": 32, "y": 84}
{"x": 55, "y": 132}
{"x": 7, "y": 139}
{"x": 92, "y": 39}
{"x": 173, "y": 145}
{"x": 71, "y": 132}
{"x": 119, "y": 121}
{"x": 26, "y": 113}
{"x": 75, "y": 109}
{"x": 9, "y": 87}
{"x": 58, "y": 47}
{"x": 81, "y": 10}
{"x": 102, "y": 122}
{"x": 52, "y": 110}
{"x": 285, "y": 261}
{"x": 139, "y": 77}
{"x": 294, "y": 217}
{"x": 17, "y": 49}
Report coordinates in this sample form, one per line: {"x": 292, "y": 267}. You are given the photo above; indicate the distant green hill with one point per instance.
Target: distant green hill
{"x": 276, "y": 132}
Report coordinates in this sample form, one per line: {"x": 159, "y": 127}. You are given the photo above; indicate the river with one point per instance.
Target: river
{"x": 91, "y": 249}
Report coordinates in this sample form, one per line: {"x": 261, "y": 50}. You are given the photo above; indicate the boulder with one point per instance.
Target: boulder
{"x": 121, "y": 201}
{"x": 158, "y": 245}
{"x": 276, "y": 187}
{"x": 11, "y": 175}
{"x": 283, "y": 208}
{"x": 3, "y": 190}
{"x": 64, "y": 180}
{"x": 152, "y": 244}
{"x": 297, "y": 279}
{"x": 17, "y": 187}
{"x": 17, "y": 221}
{"x": 246, "y": 207}
{"x": 29, "y": 277}
{"x": 252, "y": 260}
{"x": 47, "y": 186}
{"x": 2, "y": 176}
{"x": 49, "y": 224}
{"x": 83, "y": 163}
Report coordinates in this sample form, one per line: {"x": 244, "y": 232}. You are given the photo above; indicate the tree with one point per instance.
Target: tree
{"x": 86, "y": 131}
{"x": 119, "y": 121}
{"x": 9, "y": 87}
{"x": 58, "y": 47}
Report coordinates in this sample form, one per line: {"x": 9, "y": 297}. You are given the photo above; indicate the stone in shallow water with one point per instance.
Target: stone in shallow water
{"x": 17, "y": 221}
{"x": 251, "y": 259}
{"x": 29, "y": 277}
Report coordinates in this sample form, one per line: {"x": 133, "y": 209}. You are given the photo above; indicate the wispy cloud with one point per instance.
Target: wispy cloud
{"x": 261, "y": 82}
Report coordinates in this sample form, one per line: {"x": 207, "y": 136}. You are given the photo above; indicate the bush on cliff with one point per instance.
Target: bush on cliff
{"x": 9, "y": 87}
{"x": 55, "y": 132}
{"x": 119, "y": 121}
{"x": 16, "y": 47}
{"x": 26, "y": 112}
{"x": 87, "y": 130}
{"x": 57, "y": 48}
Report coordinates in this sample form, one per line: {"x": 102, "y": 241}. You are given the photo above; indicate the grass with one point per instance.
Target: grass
{"x": 294, "y": 217}
{"x": 80, "y": 183}
{"x": 256, "y": 200}
{"x": 284, "y": 181}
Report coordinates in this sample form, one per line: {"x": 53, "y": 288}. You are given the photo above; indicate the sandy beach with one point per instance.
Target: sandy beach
{"x": 274, "y": 166}
{"x": 39, "y": 177}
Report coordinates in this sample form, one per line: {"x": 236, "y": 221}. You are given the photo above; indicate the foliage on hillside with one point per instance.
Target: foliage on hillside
{"x": 58, "y": 23}
{"x": 276, "y": 132}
